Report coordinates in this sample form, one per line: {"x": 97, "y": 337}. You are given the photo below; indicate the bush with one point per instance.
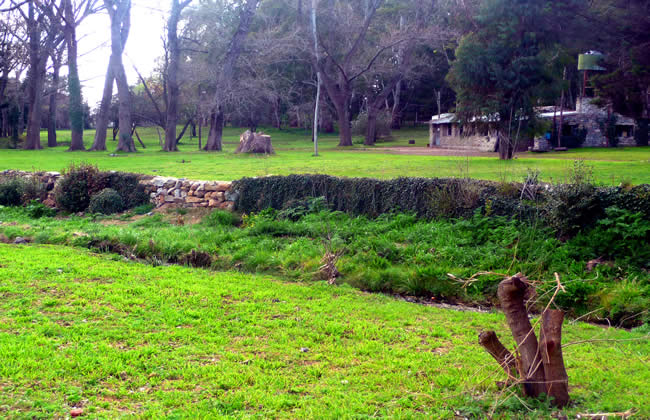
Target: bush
{"x": 11, "y": 192}
{"x": 78, "y": 184}
{"x": 127, "y": 186}
{"x": 108, "y": 201}
{"x": 36, "y": 210}
{"x": 81, "y": 182}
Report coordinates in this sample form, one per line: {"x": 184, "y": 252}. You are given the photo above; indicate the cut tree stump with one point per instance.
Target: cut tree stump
{"x": 250, "y": 142}
{"x": 540, "y": 366}
{"x": 491, "y": 343}
{"x": 557, "y": 380}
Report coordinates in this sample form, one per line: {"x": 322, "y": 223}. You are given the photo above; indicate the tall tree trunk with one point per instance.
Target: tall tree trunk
{"x": 396, "y": 114}
{"x": 226, "y": 74}
{"x": 213, "y": 143}
{"x": 200, "y": 131}
{"x": 318, "y": 77}
{"x": 74, "y": 85}
{"x": 371, "y": 129}
{"x": 120, "y": 13}
{"x": 172, "y": 75}
{"x": 345, "y": 131}
{"x": 51, "y": 117}
{"x": 101, "y": 125}
{"x": 35, "y": 82}
{"x": 125, "y": 142}
{"x": 341, "y": 101}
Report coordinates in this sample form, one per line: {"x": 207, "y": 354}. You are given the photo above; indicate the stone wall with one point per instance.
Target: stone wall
{"x": 485, "y": 143}
{"x": 189, "y": 193}
{"x": 162, "y": 190}
{"x": 591, "y": 116}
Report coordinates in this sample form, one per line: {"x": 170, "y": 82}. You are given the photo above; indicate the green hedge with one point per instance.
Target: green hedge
{"x": 567, "y": 208}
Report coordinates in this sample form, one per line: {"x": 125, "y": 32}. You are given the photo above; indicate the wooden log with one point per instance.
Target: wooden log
{"x": 491, "y": 343}
{"x": 512, "y": 292}
{"x": 557, "y": 380}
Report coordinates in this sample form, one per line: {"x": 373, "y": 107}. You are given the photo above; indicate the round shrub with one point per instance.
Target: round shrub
{"x": 127, "y": 186}
{"x": 107, "y": 201}
{"x": 76, "y": 187}
{"x": 11, "y": 192}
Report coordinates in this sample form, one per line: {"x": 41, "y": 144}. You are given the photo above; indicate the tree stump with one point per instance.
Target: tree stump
{"x": 250, "y": 142}
{"x": 540, "y": 366}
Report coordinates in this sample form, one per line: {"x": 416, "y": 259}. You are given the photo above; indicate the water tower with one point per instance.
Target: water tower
{"x": 589, "y": 61}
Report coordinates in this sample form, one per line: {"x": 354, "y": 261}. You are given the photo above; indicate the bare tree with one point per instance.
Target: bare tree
{"x": 318, "y": 77}
{"x": 57, "y": 58}
{"x": 340, "y": 65}
{"x": 389, "y": 72}
{"x": 172, "y": 74}
{"x": 12, "y": 63}
{"x": 224, "y": 77}
{"x": 42, "y": 35}
{"x": 119, "y": 12}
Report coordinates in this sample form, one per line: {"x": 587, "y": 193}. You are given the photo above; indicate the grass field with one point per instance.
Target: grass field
{"x": 391, "y": 254}
{"x": 117, "y": 339}
{"x": 294, "y": 154}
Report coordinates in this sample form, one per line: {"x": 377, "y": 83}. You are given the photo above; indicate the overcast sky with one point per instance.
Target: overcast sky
{"x": 143, "y": 47}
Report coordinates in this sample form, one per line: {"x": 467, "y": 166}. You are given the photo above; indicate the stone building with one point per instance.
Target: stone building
{"x": 583, "y": 127}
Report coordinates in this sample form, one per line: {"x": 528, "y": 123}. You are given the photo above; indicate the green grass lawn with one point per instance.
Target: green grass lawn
{"x": 295, "y": 155}
{"x": 118, "y": 339}
{"x": 391, "y": 254}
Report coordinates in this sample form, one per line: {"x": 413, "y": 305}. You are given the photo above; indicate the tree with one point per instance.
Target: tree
{"x": 172, "y": 74}
{"x": 56, "y": 57}
{"x": 74, "y": 12}
{"x": 500, "y": 68}
{"x": 346, "y": 30}
{"x": 119, "y": 12}
{"x": 406, "y": 35}
{"x": 12, "y": 65}
{"x": 43, "y": 34}
{"x": 626, "y": 84}
{"x": 225, "y": 75}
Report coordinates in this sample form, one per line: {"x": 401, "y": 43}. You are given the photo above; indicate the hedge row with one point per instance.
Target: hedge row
{"x": 567, "y": 208}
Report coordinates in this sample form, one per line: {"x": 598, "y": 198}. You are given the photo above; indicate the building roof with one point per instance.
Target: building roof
{"x": 557, "y": 114}
{"x": 443, "y": 118}
{"x": 450, "y": 117}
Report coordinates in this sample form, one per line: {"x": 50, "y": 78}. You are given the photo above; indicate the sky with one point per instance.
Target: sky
{"x": 143, "y": 47}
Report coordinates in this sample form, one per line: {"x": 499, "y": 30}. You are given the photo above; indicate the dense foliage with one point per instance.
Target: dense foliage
{"x": 11, "y": 192}
{"x": 567, "y": 208}
{"x": 80, "y": 183}
{"x": 107, "y": 201}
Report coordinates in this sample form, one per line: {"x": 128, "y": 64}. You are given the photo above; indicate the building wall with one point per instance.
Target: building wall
{"x": 590, "y": 117}
{"x": 457, "y": 141}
